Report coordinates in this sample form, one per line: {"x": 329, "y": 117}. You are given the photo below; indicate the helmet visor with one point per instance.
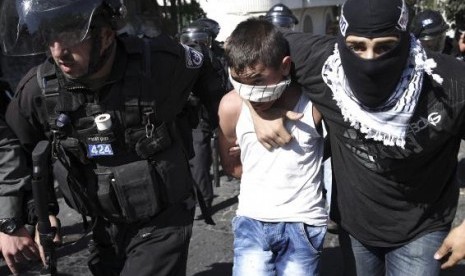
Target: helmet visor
{"x": 195, "y": 37}
{"x": 28, "y": 27}
{"x": 283, "y": 22}
{"x": 434, "y": 42}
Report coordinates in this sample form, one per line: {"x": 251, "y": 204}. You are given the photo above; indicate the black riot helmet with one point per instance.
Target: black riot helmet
{"x": 281, "y": 16}
{"x": 196, "y": 33}
{"x": 212, "y": 26}
{"x": 28, "y": 26}
{"x": 430, "y": 28}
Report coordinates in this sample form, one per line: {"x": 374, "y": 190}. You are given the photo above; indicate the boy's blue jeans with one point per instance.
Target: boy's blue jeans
{"x": 412, "y": 259}
{"x": 284, "y": 248}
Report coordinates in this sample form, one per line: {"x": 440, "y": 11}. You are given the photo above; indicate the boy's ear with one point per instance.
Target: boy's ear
{"x": 286, "y": 65}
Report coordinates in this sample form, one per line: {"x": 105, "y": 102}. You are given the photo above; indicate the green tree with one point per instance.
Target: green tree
{"x": 169, "y": 16}
{"x": 455, "y": 12}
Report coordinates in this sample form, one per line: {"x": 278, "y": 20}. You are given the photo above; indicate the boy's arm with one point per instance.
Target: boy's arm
{"x": 228, "y": 113}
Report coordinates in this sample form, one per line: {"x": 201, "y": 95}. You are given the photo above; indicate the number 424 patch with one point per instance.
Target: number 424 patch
{"x": 96, "y": 150}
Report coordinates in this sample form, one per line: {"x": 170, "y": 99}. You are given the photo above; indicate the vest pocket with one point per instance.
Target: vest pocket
{"x": 136, "y": 189}
{"x": 72, "y": 189}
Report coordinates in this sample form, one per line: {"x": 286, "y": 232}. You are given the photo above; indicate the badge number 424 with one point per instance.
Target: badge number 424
{"x": 95, "y": 150}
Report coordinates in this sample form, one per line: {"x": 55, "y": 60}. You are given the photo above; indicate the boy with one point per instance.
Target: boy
{"x": 281, "y": 218}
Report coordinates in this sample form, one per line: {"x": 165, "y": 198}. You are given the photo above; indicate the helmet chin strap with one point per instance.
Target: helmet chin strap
{"x": 97, "y": 60}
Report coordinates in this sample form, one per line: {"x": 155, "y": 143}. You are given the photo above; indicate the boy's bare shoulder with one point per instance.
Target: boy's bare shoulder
{"x": 231, "y": 100}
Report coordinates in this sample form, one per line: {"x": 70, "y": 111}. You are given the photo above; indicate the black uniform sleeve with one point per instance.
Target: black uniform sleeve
{"x": 14, "y": 174}
{"x": 24, "y": 111}
{"x": 210, "y": 88}
{"x": 23, "y": 117}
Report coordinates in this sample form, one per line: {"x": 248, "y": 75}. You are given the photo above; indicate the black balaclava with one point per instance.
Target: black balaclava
{"x": 374, "y": 81}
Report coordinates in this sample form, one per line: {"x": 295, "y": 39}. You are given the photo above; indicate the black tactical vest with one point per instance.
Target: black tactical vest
{"x": 130, "y": 171}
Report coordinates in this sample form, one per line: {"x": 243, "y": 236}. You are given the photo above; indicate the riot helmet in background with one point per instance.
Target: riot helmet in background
{"x": 196, "y": 33}
{"x": 281, "y": 16}
{"x": 28, "y": 26}
{"x": 430, "y": 28}
{"x": 212, "y": 26}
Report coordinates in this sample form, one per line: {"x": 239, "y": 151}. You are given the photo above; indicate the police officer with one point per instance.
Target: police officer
{"x": 109, "y": 105}
{"x": 203, "y": 32}
{"x": 430, "y": 28}
{"x": 281, "y": 16}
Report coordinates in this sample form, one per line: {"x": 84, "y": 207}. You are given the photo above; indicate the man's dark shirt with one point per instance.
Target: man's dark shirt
{"x": 386, "y": 195}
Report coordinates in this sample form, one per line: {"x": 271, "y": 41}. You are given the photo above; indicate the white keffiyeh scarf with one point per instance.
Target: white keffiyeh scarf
{"x": 389, "y": 122}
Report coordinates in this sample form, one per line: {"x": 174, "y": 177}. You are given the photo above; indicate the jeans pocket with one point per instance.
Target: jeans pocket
{"x": 313, "y": 235}
{"x": 234, "y": 222}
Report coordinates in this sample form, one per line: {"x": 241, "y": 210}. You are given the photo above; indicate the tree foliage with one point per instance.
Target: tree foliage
{"x": 455, "y": 12}
{"x": 172, "y": 14}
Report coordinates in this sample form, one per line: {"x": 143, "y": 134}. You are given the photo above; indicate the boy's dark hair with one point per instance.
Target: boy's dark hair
{"x": 255, "y": 41}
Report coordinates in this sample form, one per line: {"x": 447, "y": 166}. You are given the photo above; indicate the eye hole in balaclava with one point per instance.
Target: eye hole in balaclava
{"x": 373, "y": 81}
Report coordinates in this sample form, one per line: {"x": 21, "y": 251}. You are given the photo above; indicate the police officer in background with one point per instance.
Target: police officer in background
{"x": 460, "y": 36}
{"x": 430, "y": 28}
{"x": 216, "y": 47}
{"x": 280, "y": 15}
{"x": 202, "y": 32}
{"x": 109, "y": 105}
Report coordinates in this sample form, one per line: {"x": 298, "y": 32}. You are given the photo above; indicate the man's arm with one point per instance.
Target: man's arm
{"x": 14, "y": 180}
{"x": 269, "y": 126}
{"x": 228, "y": 113}
{"x": 308, "y": 53}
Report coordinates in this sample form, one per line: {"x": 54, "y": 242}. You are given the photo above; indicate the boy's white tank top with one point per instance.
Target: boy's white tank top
{"x": 283, "y": 185}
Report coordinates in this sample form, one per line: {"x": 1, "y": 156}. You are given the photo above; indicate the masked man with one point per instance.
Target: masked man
{"x": 395, "y": 118}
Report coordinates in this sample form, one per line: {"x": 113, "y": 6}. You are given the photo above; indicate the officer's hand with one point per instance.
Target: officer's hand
{"x": 18, "y": 247}
{"x": 452, "y": 249}
{"x": 54, "y": 222}
{"x": 269, "y": 126}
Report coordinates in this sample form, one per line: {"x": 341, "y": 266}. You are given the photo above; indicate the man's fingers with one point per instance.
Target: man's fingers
{"x": 451, "y": 260}
{"x": 280, "y": 139}
{"x": 293, "y": 116}
{"x": 443, "y": 250}
{"x": 267, "y": 145}
{"x": 444, "y": 255}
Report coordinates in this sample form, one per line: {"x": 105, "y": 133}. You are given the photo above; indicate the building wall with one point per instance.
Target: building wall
{"x": 314, "y": 15}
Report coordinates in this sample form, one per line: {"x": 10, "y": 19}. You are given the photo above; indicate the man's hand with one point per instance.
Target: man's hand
{"x": 55, "y": 222}
{"x": 452, "y": 249}
{"x": 269, "y": 126}
{"x": 18, "y": 247}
